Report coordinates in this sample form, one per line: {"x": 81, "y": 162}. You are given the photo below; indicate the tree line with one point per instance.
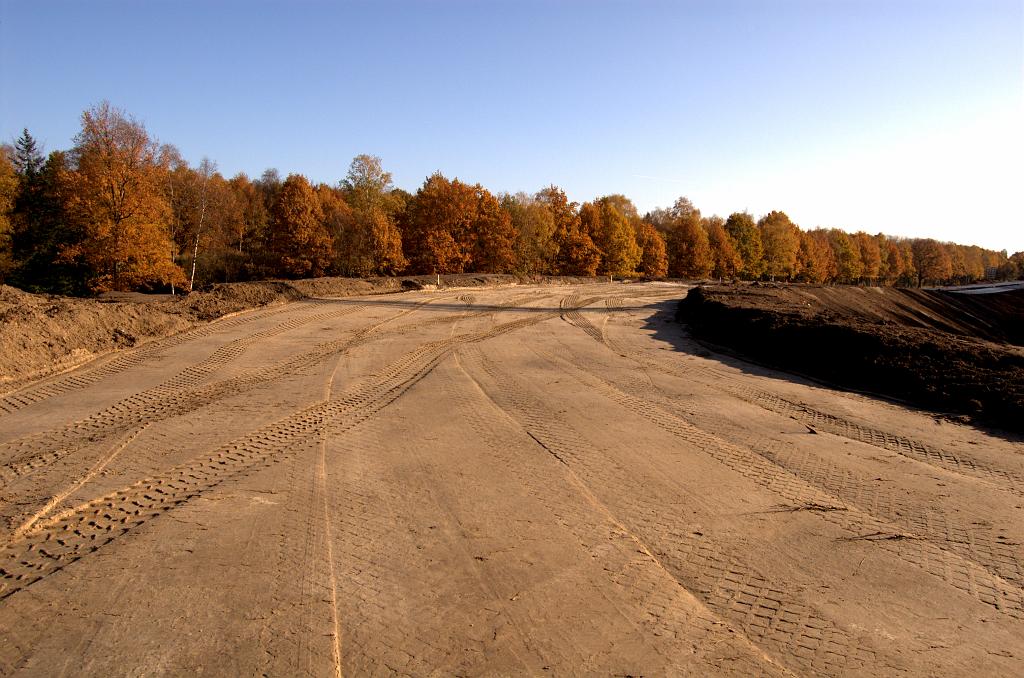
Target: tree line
{"x": 119, "y": 211}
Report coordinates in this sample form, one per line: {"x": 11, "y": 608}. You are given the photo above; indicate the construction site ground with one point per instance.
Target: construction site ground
{"x": 515, "y": 480}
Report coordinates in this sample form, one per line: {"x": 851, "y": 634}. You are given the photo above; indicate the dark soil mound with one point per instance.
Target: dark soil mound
{"x": 952, "y": 352}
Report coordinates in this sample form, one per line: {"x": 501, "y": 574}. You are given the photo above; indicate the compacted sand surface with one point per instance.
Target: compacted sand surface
{"x": 527, "y": 480}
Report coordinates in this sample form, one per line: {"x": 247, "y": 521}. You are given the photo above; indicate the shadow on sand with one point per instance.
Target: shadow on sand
{"x": 670, "y": 324}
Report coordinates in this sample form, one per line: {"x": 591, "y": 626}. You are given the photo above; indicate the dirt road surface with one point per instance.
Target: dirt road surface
{"x": 516, "y": 481}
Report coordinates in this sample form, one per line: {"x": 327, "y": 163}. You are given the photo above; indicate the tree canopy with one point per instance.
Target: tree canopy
{"x": 121, "y": 211}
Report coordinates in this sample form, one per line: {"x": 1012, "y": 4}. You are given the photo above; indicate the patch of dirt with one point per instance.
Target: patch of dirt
{"x": 951, "y": 352}
{"x": 44, "y": 334}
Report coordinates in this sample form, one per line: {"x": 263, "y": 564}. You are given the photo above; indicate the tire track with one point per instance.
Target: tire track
{"x": 636, "y": 574}
{"x": 976, "y": 541}
{"x": 227, "y": 353}
{"x": 29, "y": 454}
{"x": 90, "y": 374}
{"x": 378, "y": 605}
{"x": 294, "y": 635}
{"x": 788, "y": 628}
{"x": 1006, "y": 480}
{"x": 53, "y": 544}
{"x": 955, "y": 570}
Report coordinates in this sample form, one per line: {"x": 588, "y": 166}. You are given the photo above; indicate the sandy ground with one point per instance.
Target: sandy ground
{"x": 529, "y": 480}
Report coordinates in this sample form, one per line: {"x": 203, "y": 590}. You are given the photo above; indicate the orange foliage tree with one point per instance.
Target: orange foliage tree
{"x": 116, "y": 198}
{"x": 577, "y": 254}
{"x": 299, "y": 240}
{"x": 452, "y": 227}
{"x": 815, "y": 262}
{"x": 870, "y": 256}
{"x": 689, "y": 251}
{"x": 725, "y": 260}
{"x": 8, "y": 194}
{"x": 931, "y": 261}
{"x": 653, "y": 254}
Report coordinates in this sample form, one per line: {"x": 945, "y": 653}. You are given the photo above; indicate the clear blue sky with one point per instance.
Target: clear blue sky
{"x": 895, "y": 116}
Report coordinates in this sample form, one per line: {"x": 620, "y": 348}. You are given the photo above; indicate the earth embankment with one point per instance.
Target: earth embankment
{"x": 955, "y": 353}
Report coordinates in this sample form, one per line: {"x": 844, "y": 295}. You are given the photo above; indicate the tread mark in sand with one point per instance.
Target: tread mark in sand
{"x": 36, "y": 451}
{"x": 73, "y": 534}
{"x": 975, "y": 542}
{"x": 380, "y": 637}
{"x": 954, "y": 569}
{"x": 790, "y": 629}
{"x": 824, "y": 421}
{"x": 639, "y": 576}
{"x": 89, "y": 374}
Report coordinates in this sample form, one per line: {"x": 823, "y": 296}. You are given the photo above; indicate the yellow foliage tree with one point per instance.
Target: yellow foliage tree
{"x": 689, "y": 251}
{"x": 612, "y": 234}
{"x": 534, "y": 225}
{"x": 780, "y": 239}
{"x": 369, "y": 241}
{"x": 726, "y": 261}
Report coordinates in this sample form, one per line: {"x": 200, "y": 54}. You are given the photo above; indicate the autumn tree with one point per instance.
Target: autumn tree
{"x": 689, "y": 251}
{"x": 299, "y": 240}
{"x": 436, "y": 221}
{"x": 746, "y": 239}
{"x": 8, "y": 194}
{"x": 780, "y": 239}
{"x": 534, "y": 225}
{"x": 493, "y": 237}
{"x": 846, "y": 255}
{"x": 892, "y": 266}
{"x": 254, "y": 215}
{"x": 931, "y": 261}
{"x": 368, "y": 241}
{"x": 452, "y": 227}
{"x": 114, "y": 194}
{"x": 974, "y": 262}
{"x": 348, "y": 239}
{"x": 385, "y": 243}
{"x": 815, "y": 262}
{"x": 612, "y": 234}
{"x": 870, "y": 256}
{"x": 1013, "y": 268}
{"x": 218, "y": 256}
{"x": 176, "y": 177}
{"x": 909, "y": 276}
{"x": 653, "y": 253}
{"x": 577, "y": 254}
{"x": 725, "y": 260}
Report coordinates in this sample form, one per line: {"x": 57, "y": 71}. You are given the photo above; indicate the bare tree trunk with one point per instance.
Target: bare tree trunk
{"x": 206, "y": 169}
